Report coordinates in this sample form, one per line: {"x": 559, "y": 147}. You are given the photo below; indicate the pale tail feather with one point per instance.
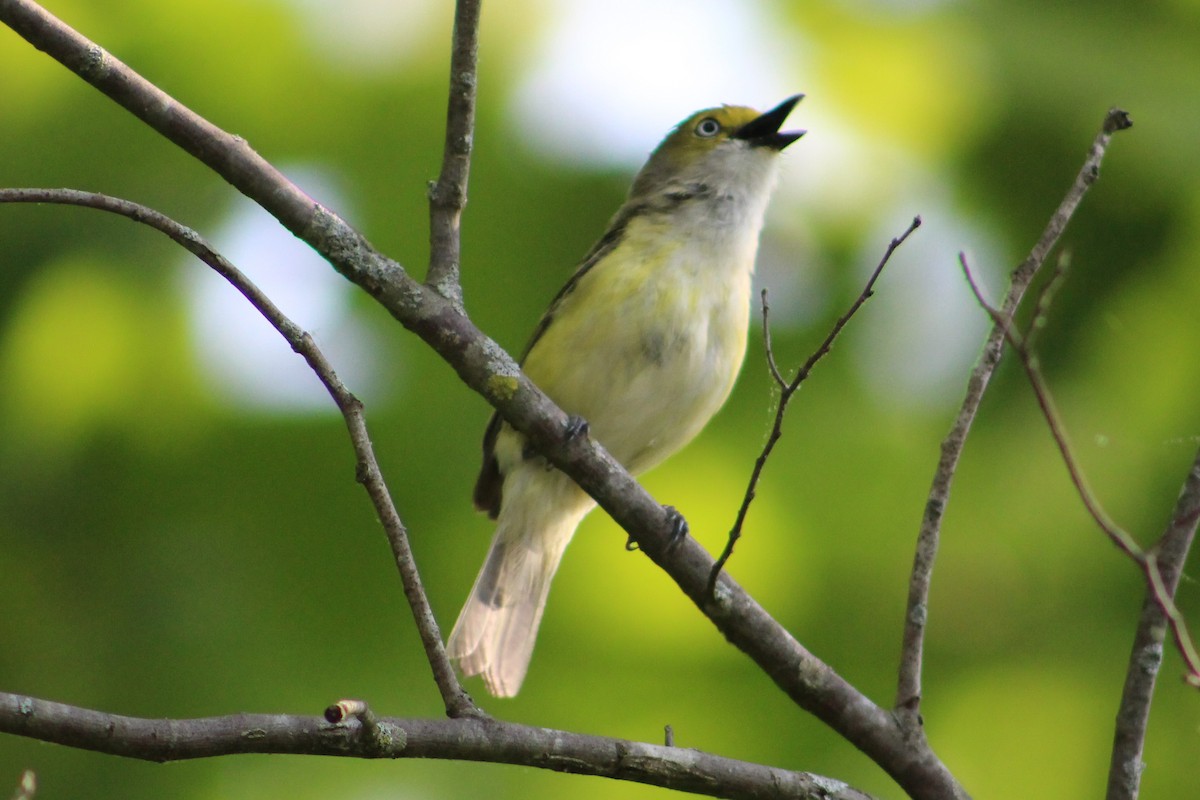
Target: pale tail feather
{"x": 497, "y": 628}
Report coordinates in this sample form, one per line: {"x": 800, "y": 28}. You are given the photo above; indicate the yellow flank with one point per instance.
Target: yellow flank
{"x": 648, "y": 344}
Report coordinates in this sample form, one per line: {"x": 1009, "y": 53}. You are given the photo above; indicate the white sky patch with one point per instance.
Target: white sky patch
{"x": 924, "y": 328}
{"x": 917, "y": 337}
{"x": 611, "y": 77}
{"x": 361, "y": 34}
{"x": 245, "y": 360}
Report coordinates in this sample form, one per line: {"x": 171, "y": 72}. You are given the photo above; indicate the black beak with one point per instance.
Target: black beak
{"x": 763, "y": 130}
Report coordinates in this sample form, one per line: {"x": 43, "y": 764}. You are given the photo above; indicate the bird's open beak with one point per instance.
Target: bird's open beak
{"x": 763, "y": 130}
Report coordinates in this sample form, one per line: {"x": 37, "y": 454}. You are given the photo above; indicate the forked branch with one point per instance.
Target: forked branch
{"x": 788, "y": 388}
{"x": 1161, "y": 567}
{"x": 488, "y": 370}
{"x": 908, "y": 688}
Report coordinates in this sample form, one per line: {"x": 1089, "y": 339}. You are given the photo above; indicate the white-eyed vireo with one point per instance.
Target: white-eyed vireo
{"x": 644, "y": 343}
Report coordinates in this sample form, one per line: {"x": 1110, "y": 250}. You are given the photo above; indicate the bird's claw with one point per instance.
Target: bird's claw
{"x": 679, "y": 530}
{"x": 679, "y": 527}
{"x": 576, "y": 426}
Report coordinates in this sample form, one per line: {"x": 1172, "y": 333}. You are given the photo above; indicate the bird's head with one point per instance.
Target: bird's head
{"x": 728, "y": 144}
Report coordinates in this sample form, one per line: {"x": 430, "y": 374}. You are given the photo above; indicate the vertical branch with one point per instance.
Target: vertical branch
{"x": 448, "y": 195}
{"x": 908, "y": 689}
{"x": 1133, "y": 714}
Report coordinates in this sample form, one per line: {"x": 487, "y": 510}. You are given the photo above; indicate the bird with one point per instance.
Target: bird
{"x": 641, "y": 347}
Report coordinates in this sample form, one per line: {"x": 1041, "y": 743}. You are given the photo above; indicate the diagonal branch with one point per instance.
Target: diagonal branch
{"x": 788, "y": 388}
{"x": 448, "y": 196}
{"x": 908, "y": 688}
{"x": 487, "y": 369}
{"x": 1161, "y": 568}
{"x": 457, "y": 701}
{"x": 466, "y": 739}
{"x": 1045, "y": 402}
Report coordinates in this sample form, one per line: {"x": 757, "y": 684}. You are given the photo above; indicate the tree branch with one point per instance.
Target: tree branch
{"x": 1148, "y": 561}
{"x": 1161, "y": 568}
{"x": 789, "y": 388}
{"x": 1145, "y": 659}
{"x": 1045, "y": 402}
{"x": 448, "y": 196}
{"x": 457, "y": 701}
{"x": 467, "y": 739}
{"x": 488, "y": 370}
{"x": 908, "y": 688}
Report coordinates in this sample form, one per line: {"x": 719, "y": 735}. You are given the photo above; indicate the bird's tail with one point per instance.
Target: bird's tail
{"x": 497, "y": 628}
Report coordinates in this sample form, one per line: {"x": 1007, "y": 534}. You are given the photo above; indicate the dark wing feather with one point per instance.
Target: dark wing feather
{"x": 488, "y": 485}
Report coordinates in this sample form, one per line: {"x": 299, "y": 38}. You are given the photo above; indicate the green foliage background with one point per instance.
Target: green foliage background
{"x": 167, "y": 553}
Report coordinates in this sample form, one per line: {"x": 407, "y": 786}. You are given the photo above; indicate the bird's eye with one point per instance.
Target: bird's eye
{"x": 708, "y": 127}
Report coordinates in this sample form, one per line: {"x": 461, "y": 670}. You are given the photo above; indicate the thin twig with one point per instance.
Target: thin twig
{"x": 1162, "y": 592}
{"x": 768, "y": 348}
{"x": 1041, "y": 393}
{"x": 448, "y": 196}
{"x": 1158, "y": 589}
{"x": 908, "y": 684}
{"x": 1041, "y": 308}
{"x": 789, "y": 388}
{"x": 466, "y": 739}
{"x": 457, "y": 701}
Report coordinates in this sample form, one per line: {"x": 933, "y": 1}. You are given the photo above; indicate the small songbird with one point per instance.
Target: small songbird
{"x": 643, "y": 343}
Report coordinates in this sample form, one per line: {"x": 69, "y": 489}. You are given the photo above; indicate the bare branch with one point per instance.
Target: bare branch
{"x": 1162, "y": 592}
{"x": 1058, "y": 431}
{"x": 448, "y": 196}
{"x": 1041, "y": 309}
{"x": 465, "y": 739}
{"x": 1161, "y": 567}
{"x": 908, "y": 688}
{"x": 1145, "y": 659}
{"x": 768, "y": 350}
{"x": 457, "y": 701}
{"x": 787, "y": 389}
{"x": 487, "y": 369}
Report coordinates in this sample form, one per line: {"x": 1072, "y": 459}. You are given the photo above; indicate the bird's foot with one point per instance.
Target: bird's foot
{"x": 576, "y": 426}
{"x": 679, "y": 527}
{"x": 679, "y": 530}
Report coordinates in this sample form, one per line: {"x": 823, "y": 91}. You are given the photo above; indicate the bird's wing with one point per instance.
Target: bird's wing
{"x": 488, "y": 485}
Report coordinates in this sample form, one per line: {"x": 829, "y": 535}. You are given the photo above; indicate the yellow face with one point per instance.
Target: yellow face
{"x": 704, "y": 130}
{"x": 726, "y": 146}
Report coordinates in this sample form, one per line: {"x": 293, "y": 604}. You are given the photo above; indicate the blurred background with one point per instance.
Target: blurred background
{"x": 180, "y": 530}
